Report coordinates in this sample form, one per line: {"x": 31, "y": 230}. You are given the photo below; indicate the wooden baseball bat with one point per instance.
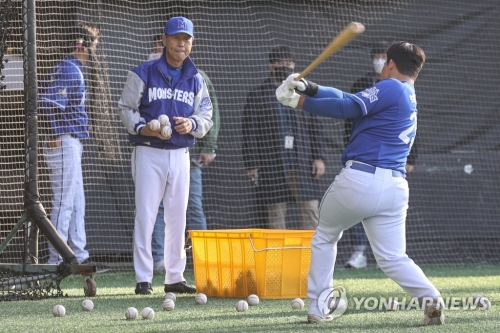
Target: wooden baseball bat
{"x": 350, "y": 31}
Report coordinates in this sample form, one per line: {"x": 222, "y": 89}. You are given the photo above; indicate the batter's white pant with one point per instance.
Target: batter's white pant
{"x": 380, "y": 201}
{"x": 160, "y": 174}
{"x": 68, "y": 198}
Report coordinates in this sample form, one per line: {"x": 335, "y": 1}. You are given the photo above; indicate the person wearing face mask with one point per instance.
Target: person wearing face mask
{"x": 359, "y": 240}
{"x": 283, "y": 151}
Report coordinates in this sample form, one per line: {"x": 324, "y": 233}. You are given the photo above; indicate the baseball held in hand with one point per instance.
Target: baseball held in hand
{"x": 154, "y": 125}
{"x": 166, "y": 131}
{"x": 163, "y": 119}
{"x": 242, "y": 306}
{"x": 200, "y": 298}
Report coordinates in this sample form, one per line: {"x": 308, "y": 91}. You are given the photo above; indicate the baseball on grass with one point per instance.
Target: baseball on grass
{"x": 58, "y": 310}
{"x": 87, "y": 305}
{"x": 131, "y": 313}
{"x": 163, "y": 119}
{"x": 154, "y": 125}
{"x": 200, "y": 298}
{"x": 166, "y": 131}
{"x": 171, "y": 296}
{"x": 168, "y": 305}
{"x": 147, "y": 313}
{"x": 242, "y": 306}
{"x": 253, "y": 300}
{"x": 484, "y": 303}
{"x": 392, "y": 305}
{"x": 297, "y": 304}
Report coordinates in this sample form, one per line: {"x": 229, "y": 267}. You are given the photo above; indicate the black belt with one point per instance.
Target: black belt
{"x": 371, "y": 169}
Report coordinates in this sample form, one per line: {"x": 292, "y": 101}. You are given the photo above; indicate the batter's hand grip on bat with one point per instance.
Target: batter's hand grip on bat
{"x": 350, "y": 31}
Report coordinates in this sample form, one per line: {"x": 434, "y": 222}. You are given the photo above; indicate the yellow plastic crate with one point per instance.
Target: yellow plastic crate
{"x": 272, "y": 264}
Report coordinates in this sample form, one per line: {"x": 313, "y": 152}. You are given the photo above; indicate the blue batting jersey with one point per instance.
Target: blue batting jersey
{"x": 383, "y": 136}
{"x": 65, "y": 91}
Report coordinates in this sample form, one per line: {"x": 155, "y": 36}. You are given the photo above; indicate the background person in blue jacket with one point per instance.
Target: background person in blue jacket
{"x": 170, "y": 85}
{"x": 64, "y": 123}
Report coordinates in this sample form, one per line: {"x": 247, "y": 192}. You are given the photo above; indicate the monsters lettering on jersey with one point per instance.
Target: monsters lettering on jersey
{"x": 167, "y": 93}
{"x": 371, "y": 94}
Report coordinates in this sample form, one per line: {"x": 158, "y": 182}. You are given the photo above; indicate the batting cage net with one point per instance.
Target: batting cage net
{"x": 453, "y": 209}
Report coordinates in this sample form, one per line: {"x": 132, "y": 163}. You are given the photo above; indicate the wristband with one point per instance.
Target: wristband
{"x": 311, "y": 88}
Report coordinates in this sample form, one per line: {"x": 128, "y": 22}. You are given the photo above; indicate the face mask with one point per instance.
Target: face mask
{"x": 281, "y": 73}
{"x": 378, "y": 64}
{"x": 154, "y": 56}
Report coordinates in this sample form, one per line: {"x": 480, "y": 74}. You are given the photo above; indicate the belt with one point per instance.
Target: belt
{"x": 371, "y": 169}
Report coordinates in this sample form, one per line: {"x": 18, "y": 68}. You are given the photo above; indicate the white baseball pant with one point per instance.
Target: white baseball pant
{"x": 380, "y": 201}
{"x": 68, "y": 198}
{"x": 160, "y": 174}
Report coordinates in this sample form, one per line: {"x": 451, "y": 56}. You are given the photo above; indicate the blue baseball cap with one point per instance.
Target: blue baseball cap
{"x": 179, "y": 24}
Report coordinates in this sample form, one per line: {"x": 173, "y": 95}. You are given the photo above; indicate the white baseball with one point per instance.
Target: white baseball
{"x": 59, "y": 310}
{"x": 242, "y": 306}
{"x": 171, "y": 296}
{"x": 163, "y": 119}
{"x": 200, "y": 298}
{"x": 87, "y": 305}
{"x": 147, "y": 313}
{"x": 393, "y": 305}
{"x": 253, "y": 300}
{"x": 168, "y": 305}
{"x": 166, "y": 131}
{"x": 154, "y": 125}
{"x": 484, "y": 303}
{"x": 297, "y": 304}
{"x": 131, "y": 313}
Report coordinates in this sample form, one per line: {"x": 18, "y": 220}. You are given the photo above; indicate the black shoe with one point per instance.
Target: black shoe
{"x": 180, "y": 287}
{"x": 143, "y": 288}
{"x": 100, "y": 268}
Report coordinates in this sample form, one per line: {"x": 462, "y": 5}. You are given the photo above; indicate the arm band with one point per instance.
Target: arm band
{"x": 311, "y": 88}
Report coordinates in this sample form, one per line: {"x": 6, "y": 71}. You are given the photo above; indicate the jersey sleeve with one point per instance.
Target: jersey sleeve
{"x": 378, "y": 97}
{"x": 128, "y": 105}
{"x": 59, "y": 89}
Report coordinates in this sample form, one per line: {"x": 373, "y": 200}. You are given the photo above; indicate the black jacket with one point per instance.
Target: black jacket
{"x": 263, "y": 146}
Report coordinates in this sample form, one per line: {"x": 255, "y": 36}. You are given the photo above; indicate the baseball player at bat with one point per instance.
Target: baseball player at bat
{"x": 371, "y": 187}
{"x": 170, "y": 85}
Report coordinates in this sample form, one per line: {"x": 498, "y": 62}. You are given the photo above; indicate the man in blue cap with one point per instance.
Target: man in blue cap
{"x": 171, "y": 86}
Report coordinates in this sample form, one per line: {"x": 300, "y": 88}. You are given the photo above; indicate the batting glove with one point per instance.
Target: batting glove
{"x": 287, "y": 96}
{"x": 304, "y": 86}
{"x": 291, "y": 83}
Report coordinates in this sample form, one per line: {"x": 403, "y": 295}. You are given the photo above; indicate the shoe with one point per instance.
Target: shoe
{"x": 143, "y": 288}
{"x": 180, "y": 287}
{"x": 159, "y": 267}
{"x": 357, "y": 260}
{"x": 311, "y": 318}
{"x": 434, "y": 314}
{"x": 100, "y": 268}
